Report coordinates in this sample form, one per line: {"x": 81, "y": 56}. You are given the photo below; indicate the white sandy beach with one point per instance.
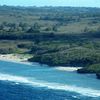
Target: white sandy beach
{"x": 14, "y": 57}
{"x": 68, "y": 68}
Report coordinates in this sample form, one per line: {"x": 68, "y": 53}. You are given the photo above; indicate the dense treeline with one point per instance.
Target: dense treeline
{"x": 71, "y": 55}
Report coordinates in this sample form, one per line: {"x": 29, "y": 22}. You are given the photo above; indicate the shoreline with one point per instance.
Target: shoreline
{"x": 67, "y": 68}
{"x": 16, "y": 58}
{"x": 23, "y": 59}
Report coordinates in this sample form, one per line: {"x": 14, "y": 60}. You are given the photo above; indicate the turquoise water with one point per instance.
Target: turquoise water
{"x": 40, "y": 82}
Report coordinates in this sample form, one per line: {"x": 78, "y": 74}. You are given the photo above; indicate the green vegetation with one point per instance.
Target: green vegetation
{"x": 75, "y": 56}
{"x": 49, "y": 19}
{"x": 94, "y": 68}
{"x": 14, "y": 46}
{"x": 66, "y": 36}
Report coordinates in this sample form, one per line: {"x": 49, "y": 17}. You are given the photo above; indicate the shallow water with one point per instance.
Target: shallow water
{"x": 40, "y": 82}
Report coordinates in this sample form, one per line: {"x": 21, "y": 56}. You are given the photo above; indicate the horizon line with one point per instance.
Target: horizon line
{"x": 48, "y": 6}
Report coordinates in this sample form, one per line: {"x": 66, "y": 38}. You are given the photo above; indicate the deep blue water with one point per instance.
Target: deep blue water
{"x": 39, "y": 82}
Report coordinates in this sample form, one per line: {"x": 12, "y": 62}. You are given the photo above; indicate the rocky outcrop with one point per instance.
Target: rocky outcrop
{"x": 98, "y": 76}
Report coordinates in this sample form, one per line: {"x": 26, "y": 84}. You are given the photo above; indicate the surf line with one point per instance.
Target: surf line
{"x": 55, "y": 86}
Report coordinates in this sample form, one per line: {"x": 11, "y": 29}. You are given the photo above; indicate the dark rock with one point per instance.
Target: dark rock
{"x": 84, "y": 71}
{"x": 98, "y": 76}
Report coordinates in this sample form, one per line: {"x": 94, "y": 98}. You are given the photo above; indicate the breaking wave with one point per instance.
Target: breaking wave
{"x": 56, "y": 86}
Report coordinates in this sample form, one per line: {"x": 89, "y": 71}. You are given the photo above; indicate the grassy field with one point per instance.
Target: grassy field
{"x": 66, "y": 20}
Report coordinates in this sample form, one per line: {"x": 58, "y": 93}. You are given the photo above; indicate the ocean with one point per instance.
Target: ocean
{"x": 19, "y": 81}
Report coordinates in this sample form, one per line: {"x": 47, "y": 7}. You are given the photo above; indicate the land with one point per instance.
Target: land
{"x": 70, "y": 69}
{"x": 14, "y": 57}
{"x": 57, "y": 36}
{"x": 98, "y": 76}
{"x": 23, "y": 58}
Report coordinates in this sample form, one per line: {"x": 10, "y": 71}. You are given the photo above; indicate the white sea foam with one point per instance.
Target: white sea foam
{"x": 56, "y": 86}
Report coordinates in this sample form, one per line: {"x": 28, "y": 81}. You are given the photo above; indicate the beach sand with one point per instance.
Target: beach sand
{"x": 68, "y": 68}
{"x": 14, "y": 57}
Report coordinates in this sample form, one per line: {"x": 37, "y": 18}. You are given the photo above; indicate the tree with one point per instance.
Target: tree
{"x": 33, "y": 30}
{"x": 1, "y": 27}
{"x": 36, "y": 26}
{"x": 48, "y": 29}
{"x": 54, "y": 28}
{"x": 24, "y": 26}
{"x": 86, "y": 29}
